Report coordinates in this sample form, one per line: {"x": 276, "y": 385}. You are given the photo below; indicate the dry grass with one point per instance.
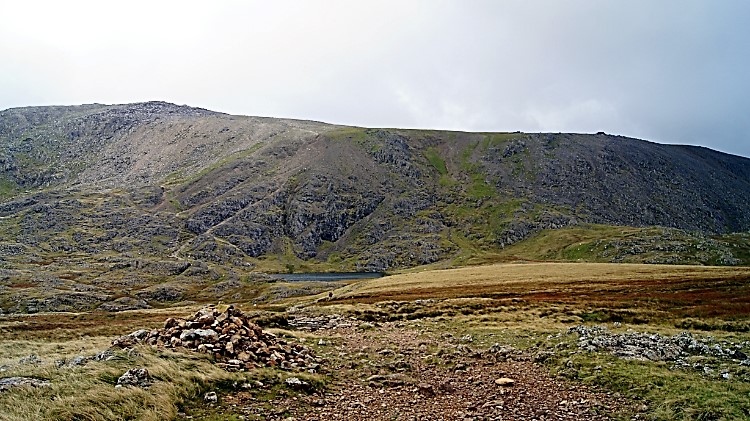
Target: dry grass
{"x": 72, "y": 326}
{"x": 696, "y": 291}
{"x": 88, "y": 392}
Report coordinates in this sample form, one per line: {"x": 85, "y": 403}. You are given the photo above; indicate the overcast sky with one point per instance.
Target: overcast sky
{"x": 671, "y": 71}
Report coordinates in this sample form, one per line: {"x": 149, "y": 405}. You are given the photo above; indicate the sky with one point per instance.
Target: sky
{"x": 669, "y": 71}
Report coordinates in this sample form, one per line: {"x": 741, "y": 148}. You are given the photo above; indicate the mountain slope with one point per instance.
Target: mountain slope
{"x": 183, "y": 183}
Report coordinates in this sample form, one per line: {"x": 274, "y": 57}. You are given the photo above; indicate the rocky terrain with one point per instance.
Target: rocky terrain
{"x": 166, "y": 203}
{"x": 394, "y": 372}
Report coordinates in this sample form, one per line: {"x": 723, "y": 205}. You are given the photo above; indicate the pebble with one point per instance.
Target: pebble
{"x": 505, "y": 381}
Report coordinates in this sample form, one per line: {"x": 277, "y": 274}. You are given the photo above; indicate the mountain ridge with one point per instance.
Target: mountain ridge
{"x": 233, "y": 188}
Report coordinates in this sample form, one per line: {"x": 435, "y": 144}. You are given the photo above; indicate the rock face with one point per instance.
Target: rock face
{"x": 184, "y": 186}
{"x": 235, "y": 342}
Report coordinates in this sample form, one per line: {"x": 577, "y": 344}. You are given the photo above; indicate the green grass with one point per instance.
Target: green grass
{"x": 604, "y": 243}
{"x": 436, "y": 160}
{"x": 497, "y": 139}
{"x": 356, "y": 134}
{"x": 671, "y": 394}
{"x": 88, "y": 392}
{"x": 479, "y": 188}
{"x": 8, "y": 188}
{"x": 466, "y": 154}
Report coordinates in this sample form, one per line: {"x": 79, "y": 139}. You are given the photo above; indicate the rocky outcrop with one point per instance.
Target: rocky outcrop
{"x": 123, "y": 304}
{"x": 14, "y": 382}
{"x": 653, "y": 347}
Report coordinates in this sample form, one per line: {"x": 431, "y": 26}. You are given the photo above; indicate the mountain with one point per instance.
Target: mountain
{"x": 166, "y": 190}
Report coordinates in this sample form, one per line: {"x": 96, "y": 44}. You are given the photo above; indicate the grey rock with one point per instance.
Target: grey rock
{"x": 13, "y": 382}
{"x": 32, "y": 359}
{"x": 78, "y": 361}
{"x": 204, "y": 335}
{"x": 123, "y": 304}
{"x": 653, "y": 347}
{"x": 211, "y": 397}
{"x": 137, "y": 377}
{"x": 296, "y": 384}
{"x": 130, "y": 339}
{"x": 105, "y": 355}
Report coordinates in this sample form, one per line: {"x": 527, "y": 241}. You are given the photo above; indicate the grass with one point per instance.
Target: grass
{"x": 436, "y": 160}
{"x": 497, "y": 139}
{"x": 356, "y": 134}
{"x": 480, "y": 188}
{"x": 7, "y": 188}
{"x": 689, "y": 291}
{"x": 604, "y": 243}
{"x": 88, "y": 392}
{"x": 675, "y": 395}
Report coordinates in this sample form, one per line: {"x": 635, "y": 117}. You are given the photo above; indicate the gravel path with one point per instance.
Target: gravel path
{"x": 393, "y": 373}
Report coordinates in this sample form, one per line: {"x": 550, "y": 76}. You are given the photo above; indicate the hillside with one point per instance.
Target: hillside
{"x": 142, "y": 194}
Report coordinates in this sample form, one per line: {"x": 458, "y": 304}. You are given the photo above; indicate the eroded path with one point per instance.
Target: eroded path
{"x": 395, "y": 372}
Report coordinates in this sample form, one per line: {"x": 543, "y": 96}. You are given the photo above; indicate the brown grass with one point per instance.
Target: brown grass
{"x": 65, "y": 326}
{"x": 685, "y": 290}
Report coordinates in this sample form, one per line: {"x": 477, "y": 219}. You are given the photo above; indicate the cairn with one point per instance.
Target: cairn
{"x": 236, "y": 343}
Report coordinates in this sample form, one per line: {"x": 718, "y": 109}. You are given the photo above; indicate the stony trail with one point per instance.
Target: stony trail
{"x": 394, "y": 372}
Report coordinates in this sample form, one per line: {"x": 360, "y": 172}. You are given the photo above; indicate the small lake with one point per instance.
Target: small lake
{"x": 325, "y": 277}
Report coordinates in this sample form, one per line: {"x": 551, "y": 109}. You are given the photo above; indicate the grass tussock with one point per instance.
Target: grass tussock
{"x": 88, "y": 392}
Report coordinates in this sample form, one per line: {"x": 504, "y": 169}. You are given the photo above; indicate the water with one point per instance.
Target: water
{"x": 326, "y": 277}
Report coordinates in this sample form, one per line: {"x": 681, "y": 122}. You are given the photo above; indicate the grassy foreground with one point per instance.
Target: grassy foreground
{"x": 526, "y": 306}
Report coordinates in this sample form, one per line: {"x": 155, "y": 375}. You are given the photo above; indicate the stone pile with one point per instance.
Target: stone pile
{"x": 235, "y": 342}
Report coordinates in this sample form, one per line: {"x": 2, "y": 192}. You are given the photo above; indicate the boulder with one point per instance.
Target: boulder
{"x": 137, "y": 377}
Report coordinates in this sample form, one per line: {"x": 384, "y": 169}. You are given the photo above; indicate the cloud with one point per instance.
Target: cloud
{"x": 668, "y": 71}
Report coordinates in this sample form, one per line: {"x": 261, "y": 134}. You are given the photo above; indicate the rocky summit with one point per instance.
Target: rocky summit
{"x": 155, "y": 198}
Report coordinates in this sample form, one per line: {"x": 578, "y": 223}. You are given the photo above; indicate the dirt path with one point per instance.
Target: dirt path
{"x": 396, "y": 373}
